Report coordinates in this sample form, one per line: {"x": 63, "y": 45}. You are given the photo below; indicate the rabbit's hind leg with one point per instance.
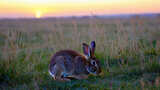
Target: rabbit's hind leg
{"x": 52, "y": 74}
{"x": 59, "y": 73}
{"x": 56, "y": 72}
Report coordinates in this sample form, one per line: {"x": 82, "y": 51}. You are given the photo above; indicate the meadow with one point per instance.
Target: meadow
{"x": 128, "y": 49}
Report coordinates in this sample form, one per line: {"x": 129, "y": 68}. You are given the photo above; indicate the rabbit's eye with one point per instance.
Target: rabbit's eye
{"x": 93, "y": 63}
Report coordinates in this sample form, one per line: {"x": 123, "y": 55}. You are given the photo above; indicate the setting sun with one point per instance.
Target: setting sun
{"x": 38, "y": 14}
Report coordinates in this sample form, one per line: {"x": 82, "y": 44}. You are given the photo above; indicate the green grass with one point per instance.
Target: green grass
{"x": 128, "y": 49}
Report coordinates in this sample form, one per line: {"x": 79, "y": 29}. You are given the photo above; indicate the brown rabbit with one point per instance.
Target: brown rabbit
{"x": 67, "y": 64}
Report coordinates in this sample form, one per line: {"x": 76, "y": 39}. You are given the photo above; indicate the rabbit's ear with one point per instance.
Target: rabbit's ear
{"x": 93, "y": 46}
{"x": 86, "y": 50}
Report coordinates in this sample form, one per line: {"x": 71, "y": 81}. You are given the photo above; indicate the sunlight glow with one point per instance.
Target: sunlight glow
{"x": 44, "y": 8}
{"x": 38, "y": 14}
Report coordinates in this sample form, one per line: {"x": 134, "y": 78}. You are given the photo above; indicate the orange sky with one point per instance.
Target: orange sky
{"x": 43, "y": 8}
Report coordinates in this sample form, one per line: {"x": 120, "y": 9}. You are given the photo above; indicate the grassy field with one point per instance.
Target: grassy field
{"x": 128, "y": 49}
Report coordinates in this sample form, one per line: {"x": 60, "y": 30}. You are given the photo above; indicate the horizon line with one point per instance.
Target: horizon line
{"x": 87, "y": 15}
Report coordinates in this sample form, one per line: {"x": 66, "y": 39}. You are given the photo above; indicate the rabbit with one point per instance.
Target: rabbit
{"x": 67, "y": 64}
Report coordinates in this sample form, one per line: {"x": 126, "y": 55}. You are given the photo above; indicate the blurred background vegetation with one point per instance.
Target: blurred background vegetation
{"x": 128, "y": 49}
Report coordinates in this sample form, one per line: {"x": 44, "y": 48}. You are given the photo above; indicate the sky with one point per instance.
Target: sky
{"x": 49, "y": 8}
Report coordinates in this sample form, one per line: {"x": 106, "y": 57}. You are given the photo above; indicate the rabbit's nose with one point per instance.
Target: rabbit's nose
{"x": 93, "y": 69}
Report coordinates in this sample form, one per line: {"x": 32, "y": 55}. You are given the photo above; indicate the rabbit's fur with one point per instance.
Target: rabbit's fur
{"x": 67, "y": 64}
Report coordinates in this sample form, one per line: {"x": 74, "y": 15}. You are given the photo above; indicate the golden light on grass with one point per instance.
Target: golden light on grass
{"x": 38, "y": 14}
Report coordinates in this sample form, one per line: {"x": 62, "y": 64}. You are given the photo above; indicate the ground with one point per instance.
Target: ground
{"x": 128, "y": 49}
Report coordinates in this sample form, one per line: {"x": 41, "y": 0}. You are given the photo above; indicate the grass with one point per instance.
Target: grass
{"x": 128, "y": 49}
